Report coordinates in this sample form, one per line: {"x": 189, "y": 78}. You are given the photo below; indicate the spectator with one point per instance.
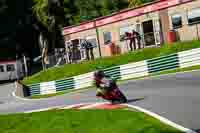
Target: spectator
{"x": 130, "y": 36}
{"x": 138, "y": 38}
{"x": 70, "y": 54}
{"x": 89, "y": 50}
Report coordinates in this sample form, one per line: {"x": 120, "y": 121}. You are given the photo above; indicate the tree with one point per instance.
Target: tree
{"x": 83, "y": 10}
{"x": 16, "y": 25}
{"x": 135, "y": 3}
{"x": 70, "y": 13}
{"x": 51, "y": 14}
{"x": 40, "y": 10}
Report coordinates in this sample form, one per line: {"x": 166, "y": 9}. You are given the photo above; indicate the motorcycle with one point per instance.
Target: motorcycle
{"x": 115, "y": 96}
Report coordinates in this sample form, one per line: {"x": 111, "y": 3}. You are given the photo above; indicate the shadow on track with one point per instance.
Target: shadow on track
{"x": 135, "y": 99}
{"x": 197, "y": 130}
{"x": 4, "y": 82}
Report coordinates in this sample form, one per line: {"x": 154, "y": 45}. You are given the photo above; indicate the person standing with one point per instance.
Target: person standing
{"x": 70, "y": 54}
{"x": 137, "y": 38}
{"x": 130, "y": 36}
{"x": 90, "y": 47}
{"x": 89, "y": 50}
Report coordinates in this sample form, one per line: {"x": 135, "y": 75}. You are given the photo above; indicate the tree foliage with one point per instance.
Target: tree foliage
{"x": 40, "y": 9}
{"x": 15, "y": 25}
{"x": 77, "y": 11}
{"x": 17, "y": 16}
{"x": 135, "y": 3}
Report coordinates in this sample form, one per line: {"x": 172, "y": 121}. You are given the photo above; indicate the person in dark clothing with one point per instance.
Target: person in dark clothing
{"x": 89, "y": 50}
{"x": 129, "y": 36}
{"x": 138, "y": 38}
{"x": 103, "y": 83}
{"x": 70, "y": 54}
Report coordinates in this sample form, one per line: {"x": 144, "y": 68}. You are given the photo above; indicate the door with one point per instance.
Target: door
{"x": 157, "y": 31}
{"x": 76, "y": 53}
{"x": 149, "y": 39}
{"x": 139, "y": 30}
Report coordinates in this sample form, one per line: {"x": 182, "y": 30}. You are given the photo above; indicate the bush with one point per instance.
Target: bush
{"x": 70, "y": 70}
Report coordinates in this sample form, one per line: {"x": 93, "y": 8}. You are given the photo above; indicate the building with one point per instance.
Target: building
{"x": 152, "y": 21}
{"x": 11, "y": 70}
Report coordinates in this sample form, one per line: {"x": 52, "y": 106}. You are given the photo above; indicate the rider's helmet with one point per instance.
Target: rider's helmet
{"x": 99, "y": 74}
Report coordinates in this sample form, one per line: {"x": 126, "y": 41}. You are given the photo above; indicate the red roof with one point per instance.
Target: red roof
{"x": 7, "y": 62}
{"x": 124, "y": 14}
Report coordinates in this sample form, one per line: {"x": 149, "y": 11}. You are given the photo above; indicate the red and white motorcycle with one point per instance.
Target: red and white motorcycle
{"x": 114, "y": 96}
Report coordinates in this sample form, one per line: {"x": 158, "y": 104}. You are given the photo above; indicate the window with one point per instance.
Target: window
{"x": 107, "y": 37}
{"x": 194, "y": 16}
{"x": 10, "y": 67}
{"x": 89, "y": 43}
{"x": 176, "y": 21}
{"x": 125, "y": 29}
{"x": 93, "y": 41}
{"x": 1, "y": 68}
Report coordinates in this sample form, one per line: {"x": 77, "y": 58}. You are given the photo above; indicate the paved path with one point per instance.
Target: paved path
{"x": 176, "y": 97}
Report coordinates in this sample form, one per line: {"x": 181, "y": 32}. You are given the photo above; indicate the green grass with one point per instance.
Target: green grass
{"x": 84, "y": 121}
{"x": 70, "y": 70}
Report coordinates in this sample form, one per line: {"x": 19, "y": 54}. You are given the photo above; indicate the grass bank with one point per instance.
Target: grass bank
{"x": 69, "y": 70}
{"x": 84, "y": 121}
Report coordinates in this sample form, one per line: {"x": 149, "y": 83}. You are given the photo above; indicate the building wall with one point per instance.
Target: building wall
{"x": 88, "y": 34}
{"x": 186, "y": 32}
{"x": 114, "y": 28}
{"x": 165, "y": 23}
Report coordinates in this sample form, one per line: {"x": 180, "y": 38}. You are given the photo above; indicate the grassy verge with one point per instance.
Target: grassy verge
{"x": 70, "y": 70}
{"x": 84, "y": 121}
{"x": 121, "y": 81}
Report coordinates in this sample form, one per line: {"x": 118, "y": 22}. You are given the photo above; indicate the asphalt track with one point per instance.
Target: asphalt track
{"x": 174, "y": 96}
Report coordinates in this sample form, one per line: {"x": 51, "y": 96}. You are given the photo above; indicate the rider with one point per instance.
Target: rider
{"x": 103, "y": 82}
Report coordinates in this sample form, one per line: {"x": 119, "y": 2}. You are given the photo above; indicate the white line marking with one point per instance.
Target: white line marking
{"x": 162, "y": 119}
{"x": 38, "y": 110}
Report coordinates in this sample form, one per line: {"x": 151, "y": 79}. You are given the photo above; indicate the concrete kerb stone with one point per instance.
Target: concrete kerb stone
{"x": 21, "y": 98}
